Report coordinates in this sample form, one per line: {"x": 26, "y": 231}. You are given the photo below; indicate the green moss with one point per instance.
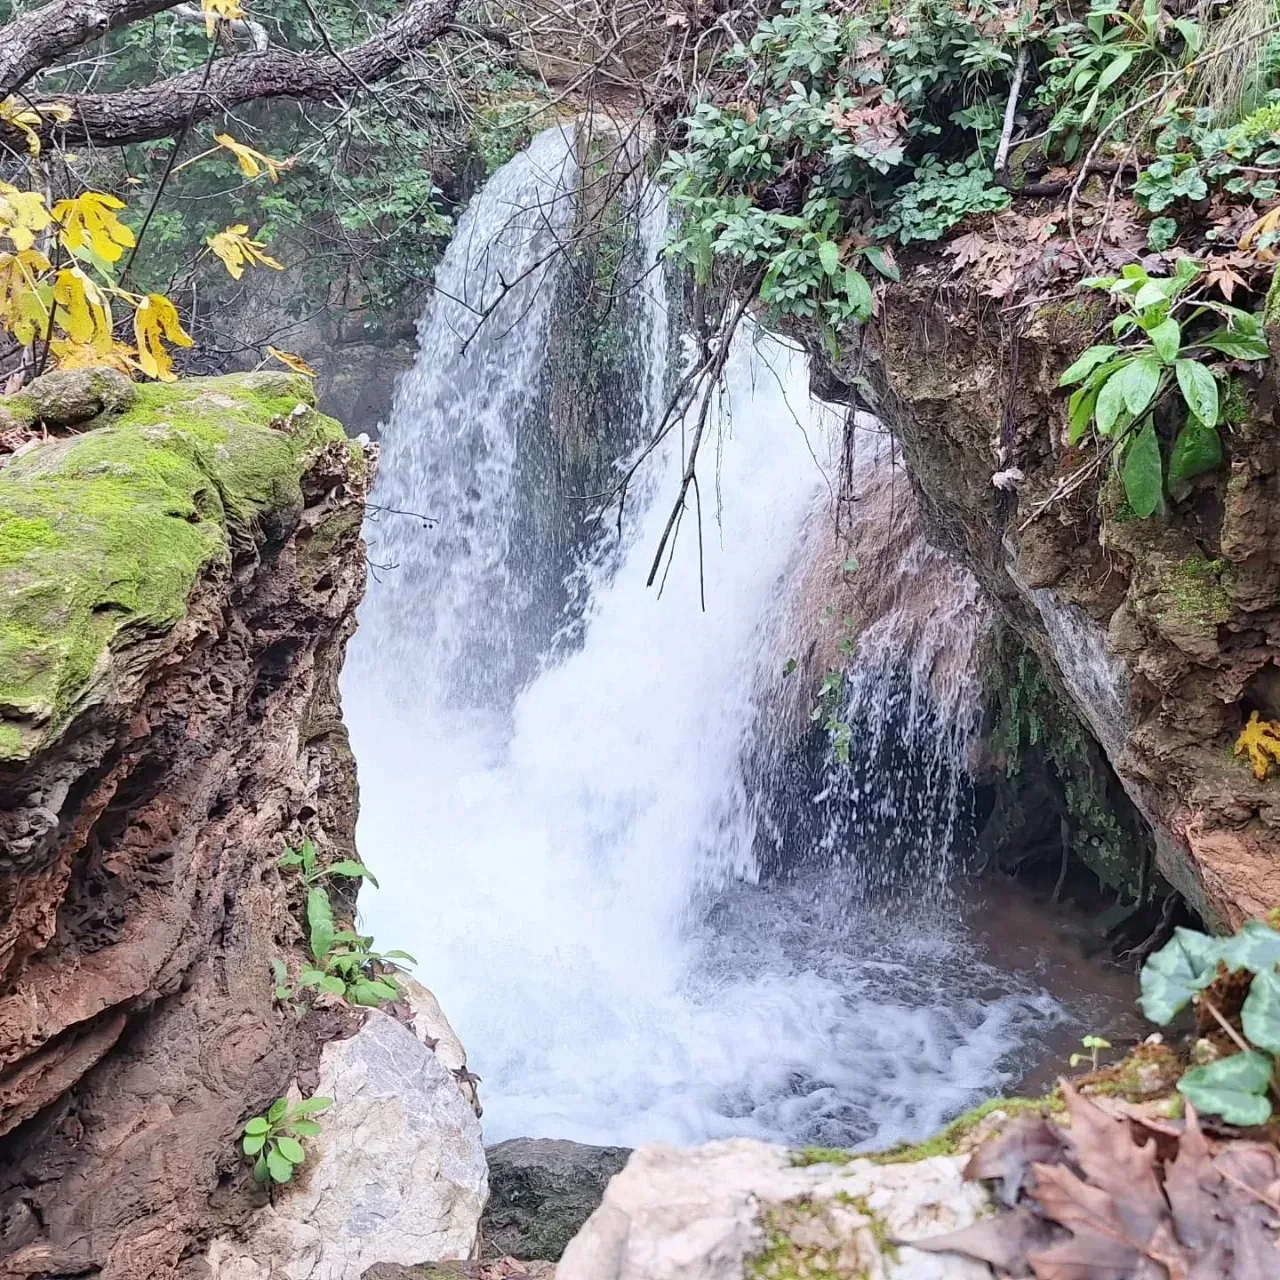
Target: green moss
{"x": 820, "y": 1155}
{"x": 1271, "y": 308}
{"x": 782, "y": 1258}
{"x": 1196, "y": 589}
{"x": 104, "y": 536}
{"x": 879, "y": 1230}
{"x": 947, "y": 1141}
{"x": 1236, "y": 407}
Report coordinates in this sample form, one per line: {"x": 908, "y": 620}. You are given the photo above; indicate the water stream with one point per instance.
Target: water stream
{"x": 568, "y": 779}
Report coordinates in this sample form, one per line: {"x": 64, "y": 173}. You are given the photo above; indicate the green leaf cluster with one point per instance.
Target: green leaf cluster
{"x": 1166, "y": 347}
{"x": 274, "y": 1140}
{"x": 307, "y": 859}
{"x": 343, "y": 962}
{"x": 1235, "y": 1087}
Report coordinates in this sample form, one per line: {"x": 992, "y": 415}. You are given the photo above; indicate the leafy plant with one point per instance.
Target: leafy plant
{"x": 941, "y": 196}
{"x": 831, "y": 696}
{"x": 1094, "y": 1045}
{"x": 274, "y": 1140}
{"x": 307, "y": 858}
{"x": 1233, "y": 1087}
{"x": 343, "y": 962}
{"x": 1119, "y": 386}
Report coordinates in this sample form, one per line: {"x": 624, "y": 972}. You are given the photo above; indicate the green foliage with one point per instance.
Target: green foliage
{"x": 1168, "y": 346}
{"x": 275, "y": 1139}
{"x": 1094, "y": 1045}
{"x": 307, "y": 859}
{"x": 343, "y": 962}
{"x": 1182, "y": 971}
{"x": 828, "y": 709}
{"x": 941, "y": 196}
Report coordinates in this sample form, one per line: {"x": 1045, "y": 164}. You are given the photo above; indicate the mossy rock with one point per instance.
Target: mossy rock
{"x": 105, "y": 536}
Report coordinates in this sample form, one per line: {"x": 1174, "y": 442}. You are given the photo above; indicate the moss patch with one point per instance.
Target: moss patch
{"x": 1195, "y": 589}
{"x": 949, "y": 1141}
{"x": 104, "y": 536}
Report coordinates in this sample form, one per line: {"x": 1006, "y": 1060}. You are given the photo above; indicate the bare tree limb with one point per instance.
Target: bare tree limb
{"x": 161, "y": 109}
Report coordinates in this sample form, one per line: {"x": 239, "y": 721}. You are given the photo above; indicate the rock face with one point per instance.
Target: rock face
{"x": 177, "y": 584}
{"x": 1162, "y": 633}
{"x": 741, "y": 1208}
{"x": 541, "y": 1192}
{"x": 397, "y": 1176}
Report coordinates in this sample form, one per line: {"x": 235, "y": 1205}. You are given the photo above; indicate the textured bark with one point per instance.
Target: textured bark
{"x": 137, "y": 1026}
{"x": 161, "y": 109}
{"x": 39, "y": 38}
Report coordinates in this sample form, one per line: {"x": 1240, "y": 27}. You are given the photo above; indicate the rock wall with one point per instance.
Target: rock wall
{"x": 1160, "y": 632}
{"x": 177, "y": 585}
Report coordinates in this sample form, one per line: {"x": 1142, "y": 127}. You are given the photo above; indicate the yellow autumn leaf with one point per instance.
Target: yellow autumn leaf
{"x": 156, "y": 322}
{"x": 22, "y": 310}
{"x": 1261, "y": 740}
{"x": 237, "y": 250}
{"x": 217, "y": 10}
{"x": 27, "y": 119}
{"x": 290, "y": 361}
{"x": 89, "y": 221}
{"x": 22, "y": 215}
{"x": 83, "y": 312}
{"x": 251, "y": 162}
{"x": 1269, "y": 222}
{"x": 78, "y": 355}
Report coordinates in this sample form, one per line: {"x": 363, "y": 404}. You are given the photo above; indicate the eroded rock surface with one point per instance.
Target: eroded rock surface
{"x": 541, "y": 1192}
{"x": 741, "y": 1208}
{"x": 177, "y": 585}
{"x": 397, "y": 1176}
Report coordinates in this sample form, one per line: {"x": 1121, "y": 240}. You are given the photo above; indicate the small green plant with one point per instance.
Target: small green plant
{"x": 1094, "y": 1045}
{"x": 831, "y": 693}
{"x": 1119, "y": 386}
{"x": 274, "y": 1140}
{"x": 1183, "y": 971}
{"x": 343, "y": 962}
{"x": 307, "y": 858}
{"x": 283, "y": 991}
{"x": 939, "y": 197}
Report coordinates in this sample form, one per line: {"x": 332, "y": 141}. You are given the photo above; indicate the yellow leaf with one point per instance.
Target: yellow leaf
{"x": 22, "y": 215}
{"x": 83, "y": 311}
{"x": 251, "y": 162}
{"x": 155, "y": 322}
{"x": 238, "y": 251}
{"x": 1269, "y": 222}
{"x": 1261, "y": 739}
{"x": 75, "y": 355}
{"x": 90, "y": 221}
{"x": 218, "y": 10}
{"x": 22, "y": 310}
{"x": 27, "y": 119}
{"x": 290, "y": 361}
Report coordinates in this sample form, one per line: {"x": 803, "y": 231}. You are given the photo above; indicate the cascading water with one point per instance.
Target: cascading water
{"x": 568, "y": 831}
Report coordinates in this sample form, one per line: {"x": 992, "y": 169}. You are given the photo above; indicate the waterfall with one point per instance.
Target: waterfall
{"x": 562, "y": 796}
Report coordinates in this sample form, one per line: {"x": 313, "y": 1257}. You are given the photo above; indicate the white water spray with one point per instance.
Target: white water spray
{"x": 574, "y": 864}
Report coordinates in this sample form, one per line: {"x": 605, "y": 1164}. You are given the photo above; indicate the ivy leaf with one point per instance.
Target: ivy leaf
{"x": 291, "y": 1149}
{"x": 89, "y": 222}
{"x": 1141, "y": 379}
{"x": 1110, "y": 402}
{"x": 1187, "y": 963}
{"x": 278, "y": 1167}
{"x": 1260, "y": 1016}
{"x": 1087, "y": 362}
{"x": 858, "y": 292}
{"x": 156, "y": 322}
{"x": 1196, "y": 450}
{"x": 1234, "y": 1088}
{"x": 1166, "y": 337}
{"x": 829, "y": 256}
{"x": 1199, "y": 390}
{"x": 1143, "y": 482}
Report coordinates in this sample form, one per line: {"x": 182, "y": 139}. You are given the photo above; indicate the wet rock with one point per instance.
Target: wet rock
{"x": 542, "y": 1191}
{"x": 494, "y": 1269}
{"x": 397, "y": 1175}
{"x": 737, "y": 1208}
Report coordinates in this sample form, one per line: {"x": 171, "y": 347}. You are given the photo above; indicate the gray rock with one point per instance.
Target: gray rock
{"x": 541, "y": 1190}
{"x": 714, "y": 1212}
{"x": 396, "y": 1176}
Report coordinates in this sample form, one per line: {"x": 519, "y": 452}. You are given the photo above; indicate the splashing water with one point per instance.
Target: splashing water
{"x": 567, "y": 832}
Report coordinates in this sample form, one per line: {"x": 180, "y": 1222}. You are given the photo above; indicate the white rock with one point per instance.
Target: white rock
{"x": 398, "y": 1174}
{"x": 703, "y": 1214}
{"x": 432, "y": 1029}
